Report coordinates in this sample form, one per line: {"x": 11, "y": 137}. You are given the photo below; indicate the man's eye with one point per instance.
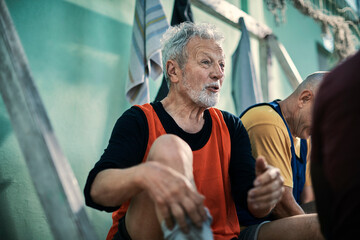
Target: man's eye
{"x": 205, "y": 62}
{"x": 222, "y": 66}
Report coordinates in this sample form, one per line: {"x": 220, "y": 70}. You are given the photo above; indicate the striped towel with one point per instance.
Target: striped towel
{"x": 145, "y": 55}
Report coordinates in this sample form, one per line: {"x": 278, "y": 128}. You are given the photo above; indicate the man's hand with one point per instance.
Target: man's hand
{"x": 267, "y": 191}
{"x": 175, "y": 197}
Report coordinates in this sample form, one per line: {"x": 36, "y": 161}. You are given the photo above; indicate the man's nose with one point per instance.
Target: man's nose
{"x": 218, "y": 72}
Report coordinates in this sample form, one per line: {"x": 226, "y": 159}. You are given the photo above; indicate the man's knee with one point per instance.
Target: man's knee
{"x": 174, "y": 152}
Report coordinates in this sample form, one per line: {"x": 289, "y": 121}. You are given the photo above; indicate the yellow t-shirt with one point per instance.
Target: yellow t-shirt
{"x": 269, "y": 137}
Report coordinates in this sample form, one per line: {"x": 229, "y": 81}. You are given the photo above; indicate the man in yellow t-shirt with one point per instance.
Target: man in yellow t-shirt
{"x": 280, "y": 131}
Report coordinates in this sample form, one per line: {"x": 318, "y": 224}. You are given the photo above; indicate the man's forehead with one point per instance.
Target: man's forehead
{"x": 210, "y": 53}
{"x": 204, "y": 46}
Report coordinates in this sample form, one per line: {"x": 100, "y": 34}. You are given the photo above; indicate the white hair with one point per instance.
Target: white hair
{"x": 175, "y": 39}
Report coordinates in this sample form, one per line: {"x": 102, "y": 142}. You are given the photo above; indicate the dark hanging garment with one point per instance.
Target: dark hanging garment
{"x": 181, "y": 13}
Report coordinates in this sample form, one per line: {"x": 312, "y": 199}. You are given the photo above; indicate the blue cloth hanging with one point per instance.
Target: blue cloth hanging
{"x": 245, "y": 88}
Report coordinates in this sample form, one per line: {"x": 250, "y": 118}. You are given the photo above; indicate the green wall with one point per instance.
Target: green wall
{"x": 78, "y": 52}
{"x": 299, "y": 35}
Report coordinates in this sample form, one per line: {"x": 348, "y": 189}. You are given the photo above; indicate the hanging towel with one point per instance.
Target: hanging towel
{"x": 145, "y": 56}
{"x": 245, "y": 89}
{"x": 181, "y": 13}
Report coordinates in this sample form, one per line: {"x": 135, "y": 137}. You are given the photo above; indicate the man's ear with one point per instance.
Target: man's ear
{"x": 305, "y": 97}
{"x": 173, "y": 70}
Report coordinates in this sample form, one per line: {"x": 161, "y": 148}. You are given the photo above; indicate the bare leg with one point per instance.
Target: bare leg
{"x": 298, "y": 227}
{"x": 142, "y": 220}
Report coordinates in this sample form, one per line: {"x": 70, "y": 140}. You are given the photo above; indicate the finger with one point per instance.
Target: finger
{"x": 192, "y": 211}
{"x": 193, "y": 203}
{"x": 194, "y": 206}
{"x": 202, "y": 212}
{"x": 263, "y": 204}
{"x": 169, "y": 222}
{"x": 261, "y": 165}
{"x": 265, "y": 196}
{"x": 165, "y": 214}
{"x": 179, "y": 215}
{"x": 269, "y": 175}
{"x": 267, "y": 188}
{"x": 199, "y": 200}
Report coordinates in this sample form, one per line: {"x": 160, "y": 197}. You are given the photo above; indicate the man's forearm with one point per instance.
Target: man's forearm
{"x": 287, "y": 206}
{"x": 112, "y": 187}
{"x": 307, "y": 195}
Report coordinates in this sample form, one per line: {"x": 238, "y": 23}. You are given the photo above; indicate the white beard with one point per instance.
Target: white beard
{"x": 203, "y": 98}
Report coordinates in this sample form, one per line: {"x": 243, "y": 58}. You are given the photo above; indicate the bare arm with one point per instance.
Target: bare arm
{"x": 112, "y": 187}
{"x": 287, "y": 206}
{"x": 307, "y": 194}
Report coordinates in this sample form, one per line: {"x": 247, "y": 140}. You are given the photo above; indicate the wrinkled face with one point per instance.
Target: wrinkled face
{"x": 203, "y": 73}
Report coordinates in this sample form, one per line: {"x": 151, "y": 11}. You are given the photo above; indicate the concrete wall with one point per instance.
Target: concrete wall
{"x": 78, "y": 53}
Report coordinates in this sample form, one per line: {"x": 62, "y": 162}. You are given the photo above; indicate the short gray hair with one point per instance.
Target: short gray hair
{"x": 176, "y": 38}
